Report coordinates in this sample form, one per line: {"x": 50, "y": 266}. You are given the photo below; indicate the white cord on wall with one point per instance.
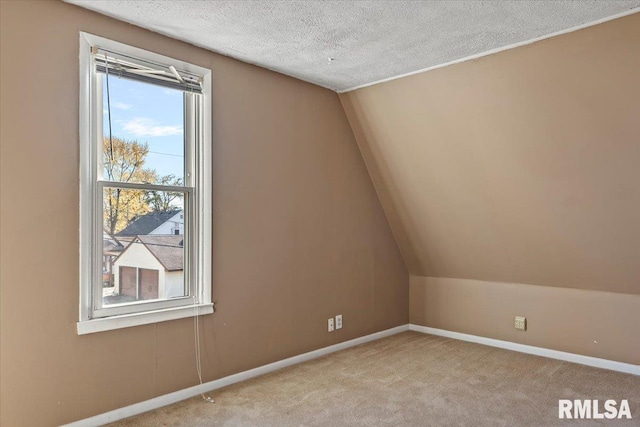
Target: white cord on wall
{"x": 195, "y": 301}
{"x": 196, "y": 327}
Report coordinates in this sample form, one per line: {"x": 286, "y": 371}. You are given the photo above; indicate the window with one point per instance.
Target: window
{"x": 145, "y": 187}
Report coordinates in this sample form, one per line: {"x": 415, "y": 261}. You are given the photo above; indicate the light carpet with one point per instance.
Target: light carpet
{"x": 409, "y": 379}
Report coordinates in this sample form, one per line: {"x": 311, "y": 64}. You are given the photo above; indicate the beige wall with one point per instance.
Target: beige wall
{"x": 594, "y": 323}
{"x": 519, "y": 167}
{"x": 299, "y": 233}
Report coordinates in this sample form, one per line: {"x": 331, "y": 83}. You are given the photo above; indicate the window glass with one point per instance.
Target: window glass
{"x": 143, "y": 132}
{"x": 143, "y": 248}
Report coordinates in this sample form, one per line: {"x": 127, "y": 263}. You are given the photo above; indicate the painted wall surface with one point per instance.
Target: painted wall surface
{"x": 519, "y": 167}
{"x": 594, "y": 323}
{"x": 299, "y": 233}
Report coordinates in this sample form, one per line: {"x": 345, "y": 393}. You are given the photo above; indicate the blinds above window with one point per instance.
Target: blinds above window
{"x": 159, "y": 74}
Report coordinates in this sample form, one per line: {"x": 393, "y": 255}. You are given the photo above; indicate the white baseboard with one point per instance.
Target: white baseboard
{"x": 627, "y": 368}
{"x": 177, "y": 396}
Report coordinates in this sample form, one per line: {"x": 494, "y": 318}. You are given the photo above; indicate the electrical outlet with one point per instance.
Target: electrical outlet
{"x": 330, "y": 324}
{"x": 339, "y": 321}
{"x": 521, "y": 323}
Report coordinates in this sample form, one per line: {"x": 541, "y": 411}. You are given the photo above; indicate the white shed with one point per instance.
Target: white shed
{"x": 151, "y": 267}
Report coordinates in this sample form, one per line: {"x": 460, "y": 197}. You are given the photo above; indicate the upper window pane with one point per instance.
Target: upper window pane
{"x": 143, "y": 132}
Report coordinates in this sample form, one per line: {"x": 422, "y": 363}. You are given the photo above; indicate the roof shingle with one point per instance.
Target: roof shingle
{"x": 147, "y": 223}
{"x": 168, "y": 249}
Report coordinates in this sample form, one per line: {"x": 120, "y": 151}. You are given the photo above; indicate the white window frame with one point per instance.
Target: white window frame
{"x": 197, "y": 189}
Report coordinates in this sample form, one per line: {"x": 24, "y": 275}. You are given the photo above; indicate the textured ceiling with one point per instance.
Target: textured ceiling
{"x": 368, "y": 40}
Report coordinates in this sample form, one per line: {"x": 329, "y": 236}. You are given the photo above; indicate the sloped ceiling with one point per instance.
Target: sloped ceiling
{"x": 519, "y": 167}
{"x": 367, "y": 40}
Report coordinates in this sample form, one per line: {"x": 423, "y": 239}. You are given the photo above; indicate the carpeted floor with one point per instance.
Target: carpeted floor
{"x": 409, "y": 379}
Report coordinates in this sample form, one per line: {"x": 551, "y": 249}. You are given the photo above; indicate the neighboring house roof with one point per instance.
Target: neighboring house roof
{"x": 111, "y": 245}
{"x": 125, "y": 240}
{"x": 167, "y": 249}
{"x": 147, "y": 223}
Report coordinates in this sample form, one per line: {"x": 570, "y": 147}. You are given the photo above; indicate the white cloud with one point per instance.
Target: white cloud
{"x": 141, "y": 126}
{"x": 122, "y": 106}
{"x": 172, "y": 92}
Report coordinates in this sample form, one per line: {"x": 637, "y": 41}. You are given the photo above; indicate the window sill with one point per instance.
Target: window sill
{"x": 137, "y": 319}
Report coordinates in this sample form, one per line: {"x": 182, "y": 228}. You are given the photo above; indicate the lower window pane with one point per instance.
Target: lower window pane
{"x": 143, "y": 246}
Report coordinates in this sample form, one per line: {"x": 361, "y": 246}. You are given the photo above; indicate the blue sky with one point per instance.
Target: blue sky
{"x": 151, "y": 114}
